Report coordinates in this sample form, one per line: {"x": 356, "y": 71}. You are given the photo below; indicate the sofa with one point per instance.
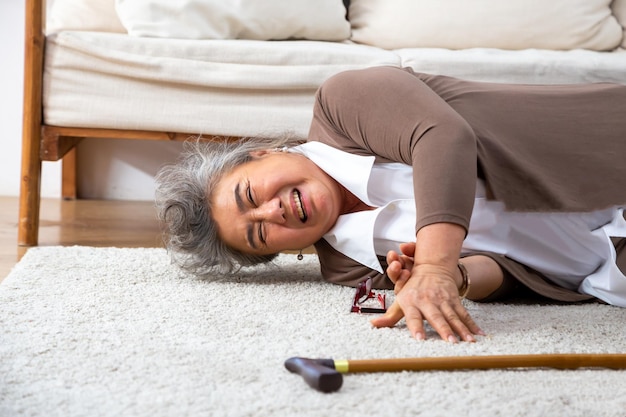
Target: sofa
{"x": 167, "y": 70}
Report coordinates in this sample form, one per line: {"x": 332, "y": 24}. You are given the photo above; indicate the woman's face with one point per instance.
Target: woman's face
{"x": 278, "y": 201}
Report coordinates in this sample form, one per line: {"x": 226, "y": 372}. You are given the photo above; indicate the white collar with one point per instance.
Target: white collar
{"x": 353, "y": 235}
{"x": 353, "y": 167}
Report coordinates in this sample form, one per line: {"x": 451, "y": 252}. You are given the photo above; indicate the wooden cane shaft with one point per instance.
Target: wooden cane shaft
{"x": 560, "y": 361}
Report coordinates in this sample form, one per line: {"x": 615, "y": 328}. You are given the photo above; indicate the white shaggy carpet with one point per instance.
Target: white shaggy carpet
{"x": 121, "y": 332}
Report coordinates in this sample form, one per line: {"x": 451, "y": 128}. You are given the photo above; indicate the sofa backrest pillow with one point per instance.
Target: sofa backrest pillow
{"x": 236, "y": 19}
{"x": 619, "y": 10}
{"x": 375, "y": 22}
{"x": 83, "y": 15}
{"x": 504, "y": 24}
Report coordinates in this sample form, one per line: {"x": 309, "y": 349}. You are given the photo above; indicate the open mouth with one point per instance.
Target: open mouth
{"x": 299, "y": 206}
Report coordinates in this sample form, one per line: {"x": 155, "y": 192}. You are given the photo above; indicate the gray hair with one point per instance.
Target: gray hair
{"x": 183, "y": 203}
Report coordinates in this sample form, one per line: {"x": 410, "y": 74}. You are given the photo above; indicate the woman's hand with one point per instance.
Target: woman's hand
{"x": 399, "y": 266}
{"x": 427, "y": 291}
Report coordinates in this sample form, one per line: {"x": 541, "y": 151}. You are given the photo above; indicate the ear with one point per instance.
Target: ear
{"x": 259, "y": 153}
{"x": 263, "y": 152}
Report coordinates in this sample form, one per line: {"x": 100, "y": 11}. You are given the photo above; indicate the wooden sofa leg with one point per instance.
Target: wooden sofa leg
{"x": 30, "y": 198}
{"x": 30, "y": 186}
{"x": 68, "y": 175}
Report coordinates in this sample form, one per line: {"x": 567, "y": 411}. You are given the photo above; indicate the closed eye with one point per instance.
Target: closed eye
{"x": 249, "y": 194}
{"x": 261, "y": 234}
{"x": 250, "y": 198}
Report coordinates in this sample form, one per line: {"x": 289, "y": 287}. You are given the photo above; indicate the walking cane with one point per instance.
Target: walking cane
{"x": 325, "y": 375}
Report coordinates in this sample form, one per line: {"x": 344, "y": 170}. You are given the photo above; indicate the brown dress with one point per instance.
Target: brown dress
{"x": 538, "y": 148}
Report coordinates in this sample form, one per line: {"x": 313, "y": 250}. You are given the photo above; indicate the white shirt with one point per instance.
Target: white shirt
{"x": 572, "y": 249}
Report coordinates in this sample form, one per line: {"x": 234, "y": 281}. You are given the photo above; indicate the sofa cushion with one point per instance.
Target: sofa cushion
{"x": 510, "y": 24}
{"x": 530, "y": 66}
{"x": 619, "y": 10}
{"x": 82, "y": 15}
{"x": 211, "y": 87}
{"x": 235, "y": 19}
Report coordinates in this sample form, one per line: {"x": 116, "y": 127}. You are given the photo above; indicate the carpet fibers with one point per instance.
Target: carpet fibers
{"x": 121, "y": 332}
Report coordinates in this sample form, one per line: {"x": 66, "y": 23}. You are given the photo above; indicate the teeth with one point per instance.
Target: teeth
{"x": 300, "y": 209}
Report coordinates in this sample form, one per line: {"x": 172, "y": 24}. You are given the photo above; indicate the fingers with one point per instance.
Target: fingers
{"x": 448, "y": 324}
{"x": 398, "y": 269}
{"x": 394, "y": 271}
{"x": 470, "y": 324}
{"x": 408, "y": 249}
{"x": 451, "y": 319}
{"x": 415, "y": 322}
{"x": 398, "y": 275}
{"x": 394, "y": 266}
{"x": 390, "y": 318}
{"x": 392, "y": 256}
{"x": 448, "y": 319}
{"x": 405, "y": 260}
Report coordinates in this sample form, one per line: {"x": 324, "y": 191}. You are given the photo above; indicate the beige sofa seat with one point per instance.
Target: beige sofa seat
{"x": 216, "y": 87}
{"x": 528, "y": 66}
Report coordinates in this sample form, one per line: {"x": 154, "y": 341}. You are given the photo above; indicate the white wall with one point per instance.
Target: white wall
{"x": 108, "y": 169}
{"x": 122, "y": 169}
{"x": 11, "y": 79}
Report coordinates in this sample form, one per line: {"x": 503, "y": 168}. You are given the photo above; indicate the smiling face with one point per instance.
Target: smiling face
{"x": 278, "y": 201}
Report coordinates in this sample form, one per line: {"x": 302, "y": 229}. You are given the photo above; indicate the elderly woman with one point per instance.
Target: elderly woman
{"x": 515, "y": 186}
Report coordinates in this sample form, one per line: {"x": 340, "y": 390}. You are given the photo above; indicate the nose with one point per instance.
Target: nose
{"x": 270, "y": 211}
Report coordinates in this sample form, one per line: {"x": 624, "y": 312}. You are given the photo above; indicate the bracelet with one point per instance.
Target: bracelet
{"x": 465, "y": 285}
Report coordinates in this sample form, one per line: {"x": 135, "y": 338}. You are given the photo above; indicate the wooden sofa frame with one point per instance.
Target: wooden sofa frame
{"x": 41, "y": 142}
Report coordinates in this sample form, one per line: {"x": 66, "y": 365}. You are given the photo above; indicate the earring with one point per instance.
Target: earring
{"x": 300, "y": 256}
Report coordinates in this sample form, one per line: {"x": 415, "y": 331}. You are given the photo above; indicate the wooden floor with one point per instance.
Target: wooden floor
{"x": 80, "y": 222}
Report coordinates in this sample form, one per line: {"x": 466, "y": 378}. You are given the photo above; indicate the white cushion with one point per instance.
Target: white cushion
{"x": 256, "y": 88}
{"x": 619, "y": 10}
{"x": 210, "y": 87}
{"x": 504, "y": 24}
{"x": 236, "y": 19}
{"x": 529, "y": 66}
{"x": 83, "y": 15}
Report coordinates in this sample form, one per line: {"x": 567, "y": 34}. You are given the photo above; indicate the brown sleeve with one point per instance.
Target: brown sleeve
{"x": 539, "y": 147}
{"x": 390, "y": 113}
{"x": 545, "y": 147}
{"x": 339, "y": 269}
